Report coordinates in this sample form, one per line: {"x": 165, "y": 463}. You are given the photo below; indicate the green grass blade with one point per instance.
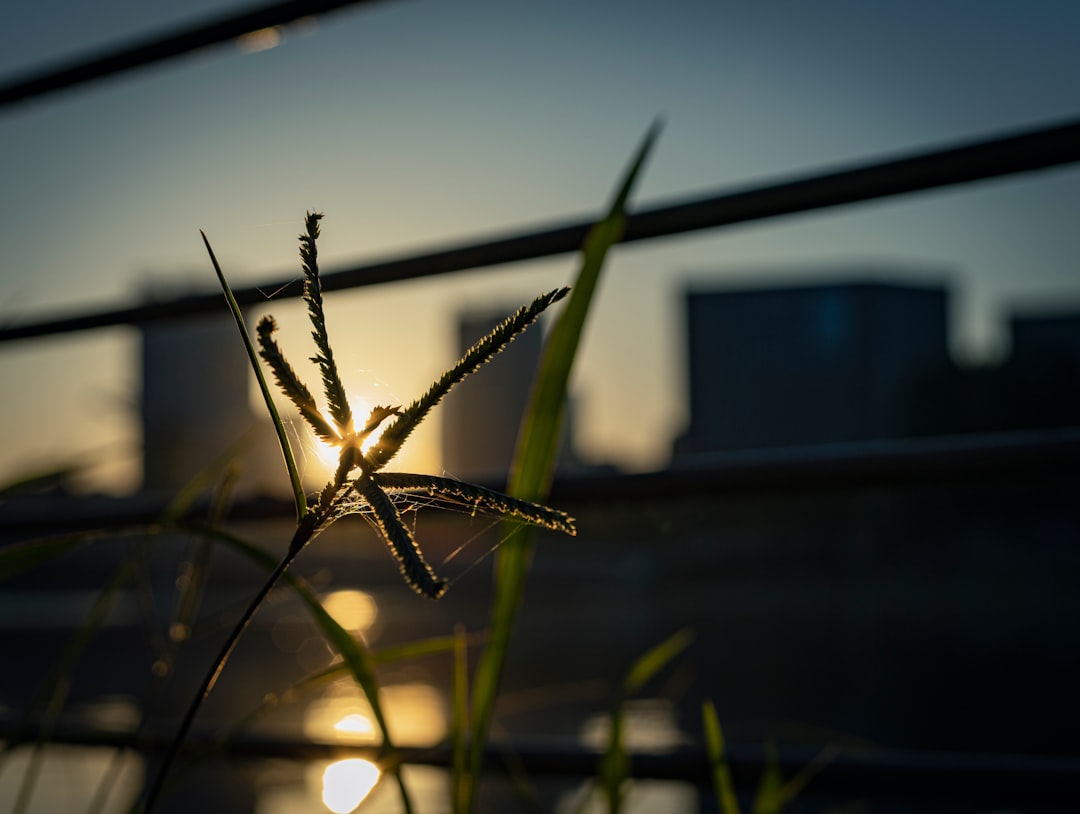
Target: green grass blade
{"x": 422, "y": 647}
{"x": 535, "y": 455}
{"x": 299, "y": 498}
{"x": 538, "y": 442}
{"x": 769, "y": 798}
{"x": 723, "y": 785}
{"x": 459, "y": 722}
{"x": 29, "y": 554}
{"x": 192, "y": 580}
{"x": 525, "y": 792}
{"x": 654, "y": 660}
{"x": 795, "y": 786}
{"x": 615, "y": 765}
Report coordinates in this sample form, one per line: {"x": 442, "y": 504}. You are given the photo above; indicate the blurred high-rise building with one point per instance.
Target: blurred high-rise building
{"x": 813, "y": 364}
{"x": 481, "y": 416}
{"x": 195, "y": 407}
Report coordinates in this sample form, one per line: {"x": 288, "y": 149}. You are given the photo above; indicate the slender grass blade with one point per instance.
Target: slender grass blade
{"x": 25, "y": 556}
{"x": 615, "y": 765}
{"x": 654, "y": 660}
{"x": 299, "y": 498}
{"x": 769, "y": 798}
{"x": 535, "y": 456}
{"x": 723, "y": 785}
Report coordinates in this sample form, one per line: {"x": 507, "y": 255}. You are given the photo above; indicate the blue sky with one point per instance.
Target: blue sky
{"x": 413, "y": 124}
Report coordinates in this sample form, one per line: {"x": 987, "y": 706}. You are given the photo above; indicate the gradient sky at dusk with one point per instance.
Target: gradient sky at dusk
{"x": 418, "y": 123}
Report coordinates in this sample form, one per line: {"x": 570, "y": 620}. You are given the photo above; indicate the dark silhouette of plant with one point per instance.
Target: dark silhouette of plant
{"x": 359, "y": 485}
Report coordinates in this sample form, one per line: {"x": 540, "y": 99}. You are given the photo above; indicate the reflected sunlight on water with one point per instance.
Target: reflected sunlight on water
{"x": 345, "y": 784}
{"x": 356, "y": 724}
{"x": 415, "y": 714}
{"x": 341, "y": 786}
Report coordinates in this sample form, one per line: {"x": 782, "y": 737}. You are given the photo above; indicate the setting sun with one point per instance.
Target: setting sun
{"x": 327, "y": 453}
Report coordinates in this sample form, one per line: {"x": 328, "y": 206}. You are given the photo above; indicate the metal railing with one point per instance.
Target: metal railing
{"x": 1027, "y": 151}
{"x": 894, "y": 775}
{"x": 1028, "y": 455}
{"x": 167, "y": 46}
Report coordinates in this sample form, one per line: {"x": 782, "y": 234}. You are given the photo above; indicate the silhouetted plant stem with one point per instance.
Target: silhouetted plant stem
{"x": 303, "y": 535}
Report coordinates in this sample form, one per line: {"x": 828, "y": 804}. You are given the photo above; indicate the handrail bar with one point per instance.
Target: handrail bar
{"x": 1013, "y": 153}
{"x": 1025, "y": 455}
{"x": 183, "y": 40}
{"x": 840, "y": 771}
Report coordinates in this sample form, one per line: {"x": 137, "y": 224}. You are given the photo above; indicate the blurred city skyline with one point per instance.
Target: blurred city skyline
{"x": 418, "y": 124}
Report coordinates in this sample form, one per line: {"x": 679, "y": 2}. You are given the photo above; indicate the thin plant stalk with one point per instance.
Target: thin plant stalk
{"x": 304, "y": 532}
{"x": 723, "y": 786}
{"x": 299, "y": 498}
{"x": 211, "y": 678}
{"x": 615, "y": 764}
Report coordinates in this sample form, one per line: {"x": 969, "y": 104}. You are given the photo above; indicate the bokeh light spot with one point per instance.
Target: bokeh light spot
{"x": 354, "y": 610}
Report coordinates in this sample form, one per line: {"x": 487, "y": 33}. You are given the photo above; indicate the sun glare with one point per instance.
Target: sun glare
{"x": 327, "y": 454}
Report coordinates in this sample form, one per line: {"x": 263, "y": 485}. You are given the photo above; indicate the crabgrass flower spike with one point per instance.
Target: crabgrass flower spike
{"x": 336, "y": 400}
{"x": 402, "y": 544}
{"x": 290, "y": 383}
{"x": 484, "y": 500}
{"x": 365, "y": 491}
{"x": 483, "y": 351}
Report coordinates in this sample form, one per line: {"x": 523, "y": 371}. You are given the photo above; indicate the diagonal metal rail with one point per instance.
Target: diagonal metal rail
{"x": 1047, "y": 456}
{"x": 1014, "y": 153}
{"x": 168, "y": 46}
{"x": 968, "y": 780}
